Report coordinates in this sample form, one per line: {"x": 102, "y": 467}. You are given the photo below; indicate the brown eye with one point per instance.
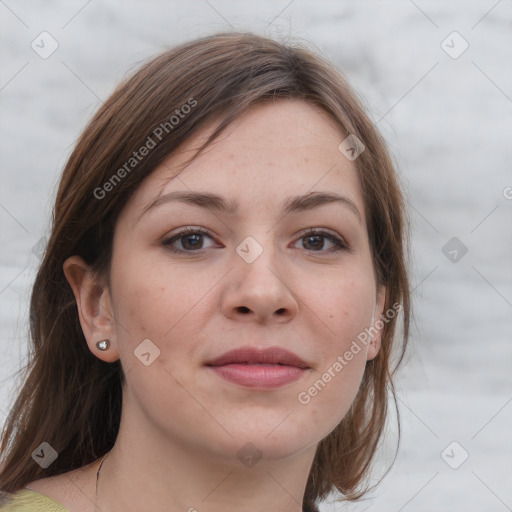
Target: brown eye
{"x": 191, "y": 240}
{"x": 314, "y": 240}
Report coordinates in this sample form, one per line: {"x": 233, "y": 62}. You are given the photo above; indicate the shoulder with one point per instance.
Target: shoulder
{"x": 27, "y": 500}
{"x": 66, "y": 492}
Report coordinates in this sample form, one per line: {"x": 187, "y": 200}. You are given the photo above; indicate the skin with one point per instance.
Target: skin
{"x": 182, "y": 425}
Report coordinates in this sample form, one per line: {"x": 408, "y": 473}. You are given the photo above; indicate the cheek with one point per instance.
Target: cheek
{"x": 329, "y": 395}
{"x": 333, "y": 386}
{"x": 346, "y": 310}
{"x": 153, "y": 303}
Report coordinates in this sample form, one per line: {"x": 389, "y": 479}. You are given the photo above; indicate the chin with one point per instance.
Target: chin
{"x": 269, "y": 436}
{"x": 251, "y": 450}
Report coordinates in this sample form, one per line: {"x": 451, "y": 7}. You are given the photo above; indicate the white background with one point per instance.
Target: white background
{"x": 449, "y": 125}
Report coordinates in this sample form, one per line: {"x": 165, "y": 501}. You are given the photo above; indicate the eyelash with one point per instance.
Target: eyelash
{"x": 339, "y": 243}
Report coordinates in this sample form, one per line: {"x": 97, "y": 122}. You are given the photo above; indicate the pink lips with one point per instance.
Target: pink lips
{"x": 269, "y": 368}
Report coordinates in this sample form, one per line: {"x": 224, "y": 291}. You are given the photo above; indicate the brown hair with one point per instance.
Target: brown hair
{"x": 70, "y": 398}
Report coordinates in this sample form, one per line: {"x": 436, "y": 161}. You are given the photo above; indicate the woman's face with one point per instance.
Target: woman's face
{"x": 251, "y": 277}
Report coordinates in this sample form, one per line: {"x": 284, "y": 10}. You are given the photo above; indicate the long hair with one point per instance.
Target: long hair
{"x": 70, "y": 398}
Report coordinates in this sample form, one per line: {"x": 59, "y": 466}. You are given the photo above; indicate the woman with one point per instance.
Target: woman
{"x": 214, "y": 318}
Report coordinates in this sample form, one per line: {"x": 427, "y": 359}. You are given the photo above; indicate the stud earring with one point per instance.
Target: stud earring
{"x": 103, "y": 345}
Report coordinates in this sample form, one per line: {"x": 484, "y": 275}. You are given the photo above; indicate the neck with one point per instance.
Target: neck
{"x": 139, "y": 475}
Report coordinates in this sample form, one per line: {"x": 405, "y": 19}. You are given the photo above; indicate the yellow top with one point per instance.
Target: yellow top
{"x": 26, "y": 500}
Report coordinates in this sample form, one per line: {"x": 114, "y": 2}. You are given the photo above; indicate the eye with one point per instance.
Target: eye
{"x": 190, "y": 239}
{"x": 315, "y": 239}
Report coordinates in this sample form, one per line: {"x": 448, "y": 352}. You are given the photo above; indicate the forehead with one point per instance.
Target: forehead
{"x": 273, "y": 151}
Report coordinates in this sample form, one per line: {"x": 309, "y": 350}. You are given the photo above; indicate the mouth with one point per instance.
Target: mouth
{"x": 264, "y": 369}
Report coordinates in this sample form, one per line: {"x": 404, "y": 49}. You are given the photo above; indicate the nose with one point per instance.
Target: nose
{"x": 260, "y": 291}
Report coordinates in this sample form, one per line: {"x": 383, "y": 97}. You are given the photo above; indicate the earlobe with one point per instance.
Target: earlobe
{"x": 94, "y": 307}
{"x": 377, "y": 324}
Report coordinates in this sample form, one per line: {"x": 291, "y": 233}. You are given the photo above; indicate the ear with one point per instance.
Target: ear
{"x": 377, "y": 325}
{"x": 94, "y": 307}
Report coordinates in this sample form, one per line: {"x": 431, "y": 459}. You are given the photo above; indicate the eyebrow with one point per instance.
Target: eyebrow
{"x": 219, "y": 204}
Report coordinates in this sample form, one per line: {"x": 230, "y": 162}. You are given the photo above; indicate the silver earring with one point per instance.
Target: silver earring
{"x": 103, "y": 345}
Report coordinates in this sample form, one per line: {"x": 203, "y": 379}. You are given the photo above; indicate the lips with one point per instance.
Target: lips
{"x": 251, "y": 356}
{"x": 261, "y": 369}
